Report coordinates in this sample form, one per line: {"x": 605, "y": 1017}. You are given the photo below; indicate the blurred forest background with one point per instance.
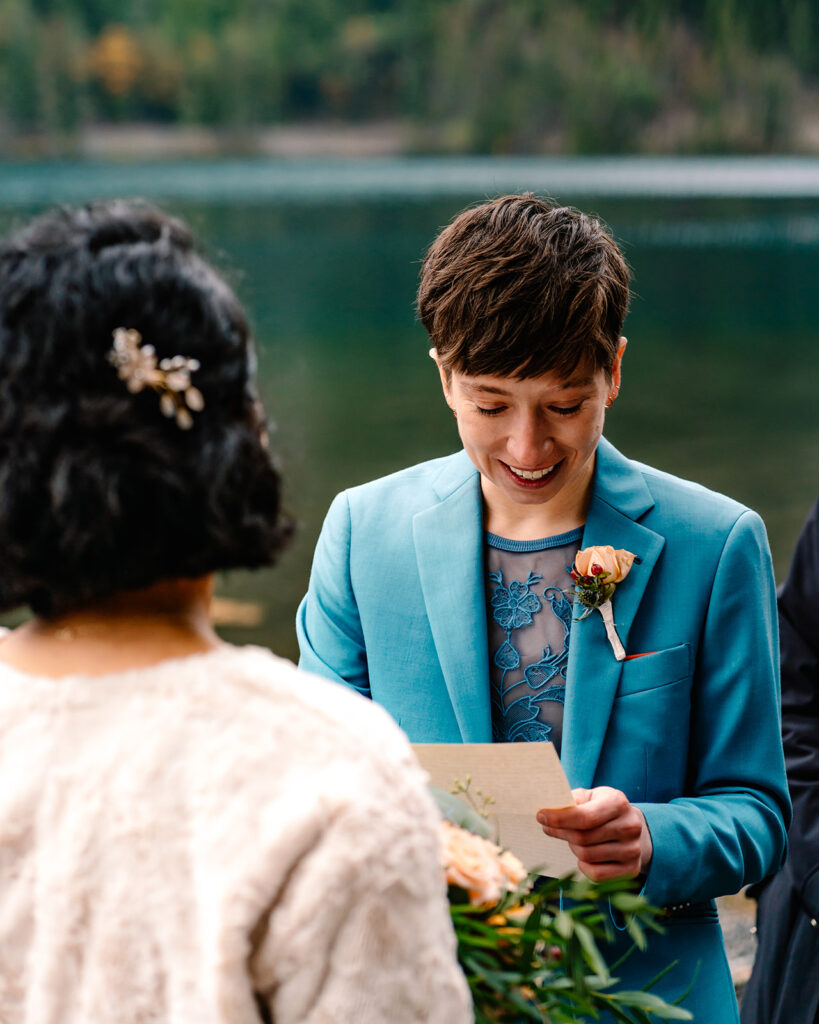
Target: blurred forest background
{"x": 234, "y": 114}
{"x": 436, "y": 76}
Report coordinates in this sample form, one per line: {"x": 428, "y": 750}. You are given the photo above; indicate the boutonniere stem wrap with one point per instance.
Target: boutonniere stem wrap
{"x": 595, "y": 574}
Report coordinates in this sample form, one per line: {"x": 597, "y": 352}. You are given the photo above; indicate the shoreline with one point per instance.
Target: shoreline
{"x": 146, "y": 141}
{"x": 149, "y": 141}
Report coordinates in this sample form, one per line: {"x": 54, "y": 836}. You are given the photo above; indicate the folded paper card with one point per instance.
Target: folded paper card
{"x": 522, "y": 778}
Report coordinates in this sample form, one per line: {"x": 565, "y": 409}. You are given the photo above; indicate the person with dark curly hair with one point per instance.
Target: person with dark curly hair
{"x": 189, "y": 831}
{"x": 444, "y": 592}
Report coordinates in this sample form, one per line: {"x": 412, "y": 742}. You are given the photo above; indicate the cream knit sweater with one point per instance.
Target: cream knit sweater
{"x": 176, "y": 840}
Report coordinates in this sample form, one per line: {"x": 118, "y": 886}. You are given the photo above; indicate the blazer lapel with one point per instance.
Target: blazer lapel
{"x": 620, "y": 495}
{"x": 449, "y": 549}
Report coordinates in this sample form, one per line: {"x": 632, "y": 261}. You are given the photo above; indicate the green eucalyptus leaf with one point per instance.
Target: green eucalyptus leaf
{"x": 651, "y": 1003}
{"x": 636, "y": 932}
{"x": 458, "y": 813}
{"x": 630, "y": 902}
{"x": 659, "y": 976}
{"x": 564, "y": 925}
{"x": 593, "y": 954}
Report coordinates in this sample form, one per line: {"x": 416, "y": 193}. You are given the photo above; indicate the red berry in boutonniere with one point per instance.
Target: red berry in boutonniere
{"x": 595, "y": 572}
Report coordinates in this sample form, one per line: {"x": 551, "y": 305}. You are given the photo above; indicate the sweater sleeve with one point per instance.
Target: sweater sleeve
{"x": 361, "y": 932}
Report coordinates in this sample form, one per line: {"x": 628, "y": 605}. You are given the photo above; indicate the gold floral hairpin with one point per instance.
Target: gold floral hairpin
{"x": 137, "y": 365}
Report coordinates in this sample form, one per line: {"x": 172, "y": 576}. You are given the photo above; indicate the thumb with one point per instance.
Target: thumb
{"x": 582, "y": 796}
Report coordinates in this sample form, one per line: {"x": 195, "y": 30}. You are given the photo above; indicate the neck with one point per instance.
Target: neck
{"x": 131, "y": 629}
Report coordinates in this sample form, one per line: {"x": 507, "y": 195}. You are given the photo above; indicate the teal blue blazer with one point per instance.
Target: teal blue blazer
{"x": 689, "y": 731}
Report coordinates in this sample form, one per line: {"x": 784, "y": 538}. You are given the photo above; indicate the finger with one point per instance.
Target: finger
{"x": 601, "y": 872}
{"x": 580, "y": 796}
{"x": 603, "y": 853}
{"x": 603, "y": 805}
{"x": 588, "y": 816}
{"x": 625, "y": 829}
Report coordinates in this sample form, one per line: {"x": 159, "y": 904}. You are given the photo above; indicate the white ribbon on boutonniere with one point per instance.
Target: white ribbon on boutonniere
{"x": 595, "y": 572}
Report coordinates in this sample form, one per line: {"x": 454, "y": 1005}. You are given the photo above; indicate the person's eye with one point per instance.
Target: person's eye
{"x": 564, "y": 410}
{"x": 490, "y": 412}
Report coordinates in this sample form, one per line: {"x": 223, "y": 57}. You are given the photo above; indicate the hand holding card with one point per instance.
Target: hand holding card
{"x": 606, "y": 833}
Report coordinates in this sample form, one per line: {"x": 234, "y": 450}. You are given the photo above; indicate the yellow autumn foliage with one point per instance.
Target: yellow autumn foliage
{"x": 116, "y": 59}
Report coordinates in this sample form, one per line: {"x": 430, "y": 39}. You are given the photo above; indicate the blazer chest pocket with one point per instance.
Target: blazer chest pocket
{"x": 651, "y": 671}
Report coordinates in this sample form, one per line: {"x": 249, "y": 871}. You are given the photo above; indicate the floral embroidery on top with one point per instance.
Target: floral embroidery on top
{"x": 515, "y": 607}
{"x": 529, "y": 616}
{"x": 512, "y": 607}
{"x": 552, "y": 664}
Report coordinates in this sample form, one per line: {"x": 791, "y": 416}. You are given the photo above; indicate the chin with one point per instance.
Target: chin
{"x": 528, "y": 497}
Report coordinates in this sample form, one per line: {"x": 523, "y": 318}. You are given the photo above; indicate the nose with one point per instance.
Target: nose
{"x": 530, "y": 443}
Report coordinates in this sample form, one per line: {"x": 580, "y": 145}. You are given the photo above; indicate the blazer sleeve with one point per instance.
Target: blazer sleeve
{"x": 729, "y": 827}
{"x": 331, "y": 641}
{"x": 799, "y": 646}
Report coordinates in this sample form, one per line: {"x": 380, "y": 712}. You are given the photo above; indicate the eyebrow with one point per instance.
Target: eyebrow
{"x": 578, "y": 382}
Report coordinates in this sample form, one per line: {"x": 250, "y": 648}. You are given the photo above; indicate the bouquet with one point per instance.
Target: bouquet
{"x": 529, "y": 947}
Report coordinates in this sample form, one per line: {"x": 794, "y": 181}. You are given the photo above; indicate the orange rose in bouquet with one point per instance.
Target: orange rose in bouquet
{"x": 478, "y": 866}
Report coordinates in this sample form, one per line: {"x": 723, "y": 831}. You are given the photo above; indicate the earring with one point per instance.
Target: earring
{"x": 613, "y": 398}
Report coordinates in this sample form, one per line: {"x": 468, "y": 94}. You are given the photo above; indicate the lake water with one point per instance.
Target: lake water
{"x": 720, "y": 378}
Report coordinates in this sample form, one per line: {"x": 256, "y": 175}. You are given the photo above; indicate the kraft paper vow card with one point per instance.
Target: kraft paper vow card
{"x": 522, "y": 778}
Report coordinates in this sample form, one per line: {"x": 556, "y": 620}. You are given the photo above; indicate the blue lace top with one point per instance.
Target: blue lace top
{"x": 529, "y": 614}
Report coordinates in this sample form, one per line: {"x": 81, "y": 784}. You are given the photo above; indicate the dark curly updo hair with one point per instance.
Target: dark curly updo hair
{"x": 99, "y": 491}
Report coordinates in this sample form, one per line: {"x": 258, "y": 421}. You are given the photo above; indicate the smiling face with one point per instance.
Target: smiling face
{"x": 533, "y": 441}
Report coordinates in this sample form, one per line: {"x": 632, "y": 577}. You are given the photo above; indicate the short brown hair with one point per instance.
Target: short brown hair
{"x": 518, "y": 287}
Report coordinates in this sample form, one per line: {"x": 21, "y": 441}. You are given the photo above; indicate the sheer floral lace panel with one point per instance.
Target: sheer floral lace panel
{"x": 529, "y": 616}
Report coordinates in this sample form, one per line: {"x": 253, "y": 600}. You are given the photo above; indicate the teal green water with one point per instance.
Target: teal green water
{"x": 720, "y": 378}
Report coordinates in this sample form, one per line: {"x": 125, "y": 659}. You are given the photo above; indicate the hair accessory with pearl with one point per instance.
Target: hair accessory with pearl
{"x": 138, "y": 366}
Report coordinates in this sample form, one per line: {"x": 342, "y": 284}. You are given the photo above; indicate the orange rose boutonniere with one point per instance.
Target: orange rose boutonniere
{"x": 595, "y": 572}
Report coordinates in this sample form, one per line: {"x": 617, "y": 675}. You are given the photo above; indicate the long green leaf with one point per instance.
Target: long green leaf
{"x": 652, "y": 1003}
{"x": 593, "y": 954}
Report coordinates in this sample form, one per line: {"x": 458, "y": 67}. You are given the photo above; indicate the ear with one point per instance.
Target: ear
{"x": 446, "y": 379}
{"x": 618, "y": 361}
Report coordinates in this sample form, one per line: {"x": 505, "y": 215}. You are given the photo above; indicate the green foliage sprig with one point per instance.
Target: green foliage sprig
{"x": 529, "y": 959}
{"x": 532, "y": 953}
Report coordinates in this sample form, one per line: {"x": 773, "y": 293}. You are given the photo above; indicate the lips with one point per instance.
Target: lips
{"x": 531, "y": 478}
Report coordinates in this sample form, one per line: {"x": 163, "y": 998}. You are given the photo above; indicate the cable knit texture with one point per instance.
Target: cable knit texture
{"x": 180, "y": 841}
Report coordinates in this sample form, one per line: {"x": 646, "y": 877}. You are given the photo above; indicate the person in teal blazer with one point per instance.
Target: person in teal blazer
{"x": 673, "y": 749}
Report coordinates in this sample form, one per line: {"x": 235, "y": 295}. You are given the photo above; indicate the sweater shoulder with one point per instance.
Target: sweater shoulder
{"x": 334, "y": 718}
{"x": 243, "y": 699}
